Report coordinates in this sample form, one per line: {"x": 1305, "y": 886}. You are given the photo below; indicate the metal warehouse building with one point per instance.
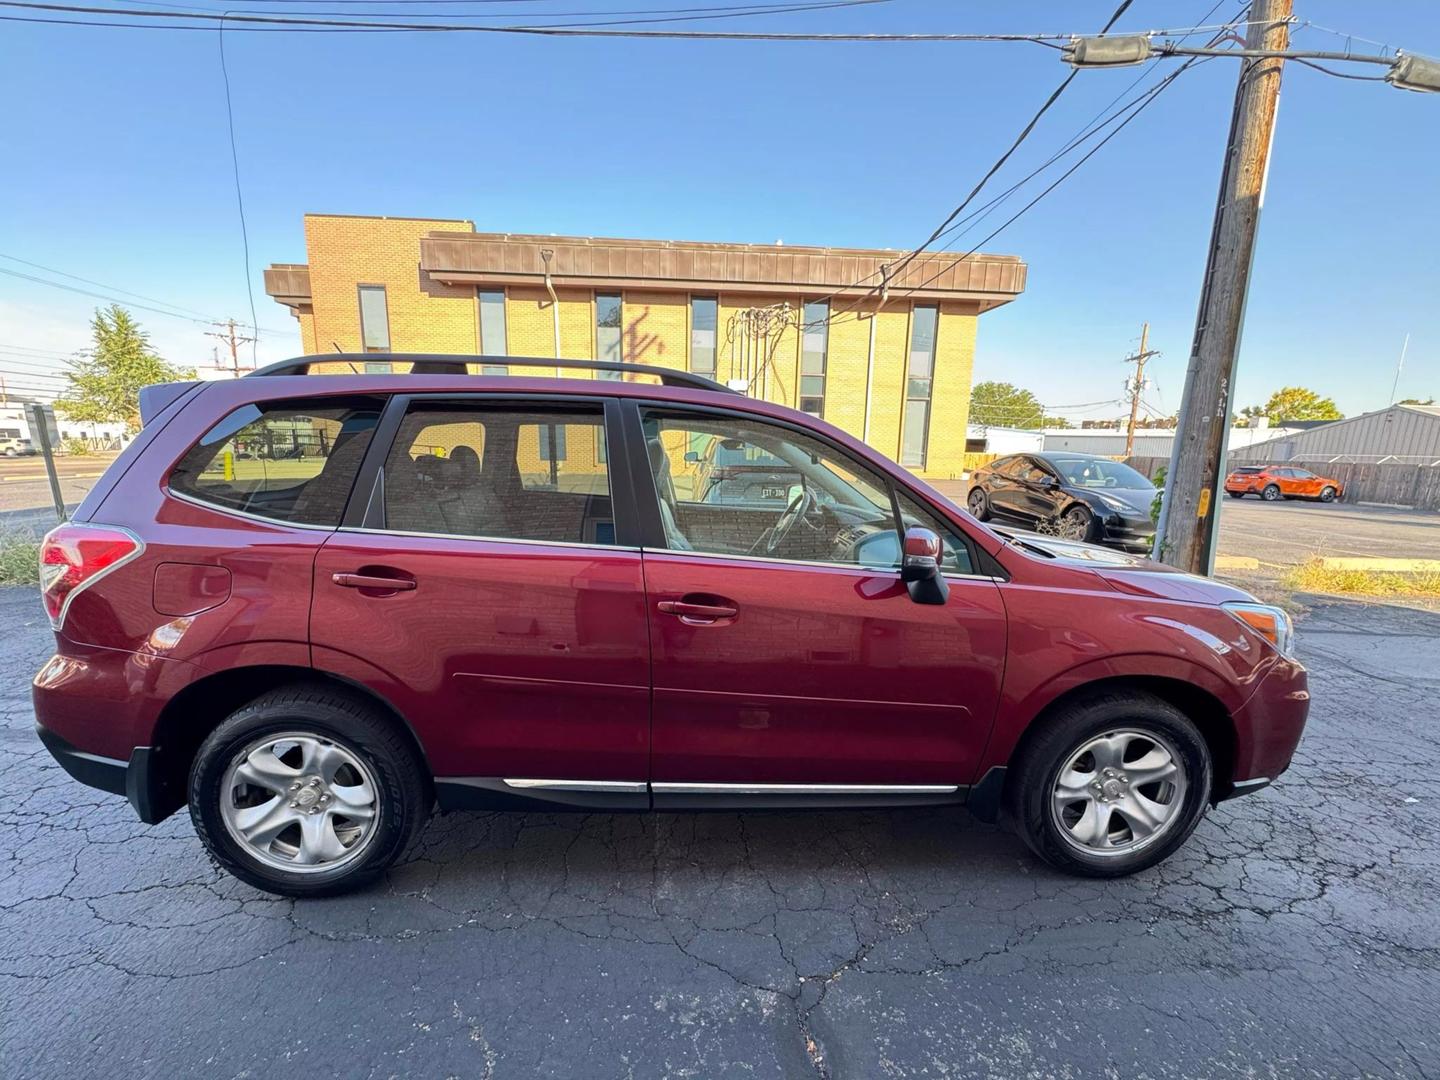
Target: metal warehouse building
{"x": 1401, "y": 434}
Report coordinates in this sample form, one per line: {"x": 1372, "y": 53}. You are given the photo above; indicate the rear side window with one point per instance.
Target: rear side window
{"x": 500, "y": 473}
{"x": 290, "y": 461}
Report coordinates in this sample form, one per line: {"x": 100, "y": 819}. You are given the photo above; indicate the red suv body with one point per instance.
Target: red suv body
{"x": 313, "y": 606}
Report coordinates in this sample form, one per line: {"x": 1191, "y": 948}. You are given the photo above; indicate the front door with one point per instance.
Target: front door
{"x": 486, "y": 597}
{"x": 789, "y": 661}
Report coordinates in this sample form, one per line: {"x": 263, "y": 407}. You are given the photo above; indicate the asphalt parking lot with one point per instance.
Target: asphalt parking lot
{"x": 1287, "y": 533}
{"x": 1298, "y": 934}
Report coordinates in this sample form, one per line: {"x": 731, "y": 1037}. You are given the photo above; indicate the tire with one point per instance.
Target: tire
{"x": 1077, "y": 523}
{"x": 325, "y": 731}
{"x": 1236, "y": 494}
{"x": 1034, "y": 800}
{"x": 978, "y": 505}
{"x": 1327, "y": 494}
{"x": 1271, "y": 493}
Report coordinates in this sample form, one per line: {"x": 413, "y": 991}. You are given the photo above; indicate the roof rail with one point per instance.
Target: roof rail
{"x": 458, "y": 364}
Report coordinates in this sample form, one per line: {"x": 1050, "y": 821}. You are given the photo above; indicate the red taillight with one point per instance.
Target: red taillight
{"x": 74, "y": 556}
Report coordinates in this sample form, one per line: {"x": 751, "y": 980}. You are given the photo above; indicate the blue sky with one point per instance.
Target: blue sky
{"x": 117, "y": 168}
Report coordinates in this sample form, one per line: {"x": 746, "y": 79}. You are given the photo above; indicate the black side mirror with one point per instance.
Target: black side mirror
{"x": 920, "y": 567}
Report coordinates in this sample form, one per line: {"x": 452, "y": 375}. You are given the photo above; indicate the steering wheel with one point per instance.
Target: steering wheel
{"x": 799, "y": 506}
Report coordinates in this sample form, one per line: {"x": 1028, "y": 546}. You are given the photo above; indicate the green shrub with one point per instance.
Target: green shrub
{"x": 19, "y": 559}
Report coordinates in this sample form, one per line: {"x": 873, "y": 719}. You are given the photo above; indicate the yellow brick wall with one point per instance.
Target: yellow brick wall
{"x": 846, "y": 361}
{"x": 345, "y": 252}
{"x": 529, "y": 327}
{"x": 656, "y": 328}
{"x": 577, "y": 324}
{"x": 307, "y": 332}
{"x": 950, "y": 401}
{"x": 428, "y": 317}
{"x": 892, "y": 338}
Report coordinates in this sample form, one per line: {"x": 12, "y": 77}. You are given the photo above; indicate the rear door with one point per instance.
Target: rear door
{"x": 486, "y": 581}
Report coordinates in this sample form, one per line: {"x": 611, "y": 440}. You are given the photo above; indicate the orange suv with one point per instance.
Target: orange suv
{"x": 1275, "y": 482}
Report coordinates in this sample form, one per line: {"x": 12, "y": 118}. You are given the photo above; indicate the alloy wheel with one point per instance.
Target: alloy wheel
{"x": 300, "y": 803}
{"x": 1074, "y": 524}
{"x": 1118, "y": 792}
{"x": 977, "y": 503}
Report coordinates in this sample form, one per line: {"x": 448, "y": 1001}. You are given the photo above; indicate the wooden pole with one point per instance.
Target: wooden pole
{"x": 1185, "y": 537}
{"x": 1139, "y": 361}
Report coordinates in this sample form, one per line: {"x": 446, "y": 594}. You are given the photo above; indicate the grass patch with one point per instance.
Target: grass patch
{"x": 19, "y": 559}
{"x": 1315, "y": 577}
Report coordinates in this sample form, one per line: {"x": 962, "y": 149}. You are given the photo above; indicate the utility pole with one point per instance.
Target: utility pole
{"x": 229, "y": 338}
{"x": 1138, "y": 386}
{"x": 1185, "y": 536}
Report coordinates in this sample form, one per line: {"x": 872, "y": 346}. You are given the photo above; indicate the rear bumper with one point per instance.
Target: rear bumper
{"x": 132, "y": 778}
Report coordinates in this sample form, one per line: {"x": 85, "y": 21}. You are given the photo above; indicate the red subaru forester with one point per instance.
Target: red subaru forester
{"x": 312, "y": 606}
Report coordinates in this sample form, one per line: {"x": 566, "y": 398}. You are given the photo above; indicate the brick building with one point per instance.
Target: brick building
{"x": 797, "y": 325}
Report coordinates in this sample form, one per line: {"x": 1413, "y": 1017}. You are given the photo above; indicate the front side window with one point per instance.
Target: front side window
{"x": 374, "y": 319}
{"x": 609, "y": 315}
{"x": 814, "y": 344}
{"x": 485, "y": 471}
{"x": 919, "y": 382}
{"x": 491, "y": 305}
{"x": 291, "y": 461}
{"x": 729, "y": 485}
{"x": 1099, "y": 473}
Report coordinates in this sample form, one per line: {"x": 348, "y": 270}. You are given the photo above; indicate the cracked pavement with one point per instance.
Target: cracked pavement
{"x": 1297, "y": 934}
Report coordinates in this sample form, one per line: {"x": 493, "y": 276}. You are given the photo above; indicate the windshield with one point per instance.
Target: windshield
{"x": 1099, "y": 473}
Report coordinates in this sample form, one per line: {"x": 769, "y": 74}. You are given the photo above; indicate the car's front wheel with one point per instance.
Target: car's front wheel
{"x": 1110, "y": 784}
{"x": 1327, "y": 494}
{"x": 979, "y": 509}
{"x": 306, "y": 792}
{"x": 1077, "y": 523}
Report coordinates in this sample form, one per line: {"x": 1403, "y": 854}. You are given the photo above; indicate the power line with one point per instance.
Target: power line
{"x": 98, "y": 296}
{"x": 239, "y": 196}
{"x": 661, "y": 16}
{"x": 282, "y": 21}
{"x": 100, "y": 284}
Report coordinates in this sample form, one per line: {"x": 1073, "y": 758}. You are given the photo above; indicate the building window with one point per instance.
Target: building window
{"x": 814, "y": 341}
{"x": 374, "y": 319}
{"x": 918, "y": 383}
{"x": 704, "y": 314}
{"x": 552, "y": 442}
{"x": 492, "y": 329}
{"x": 609, "y": 314}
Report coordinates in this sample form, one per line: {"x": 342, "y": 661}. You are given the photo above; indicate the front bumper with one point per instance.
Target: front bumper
{"x": 1130, "y": 533}
{"x": 132, "y": 778}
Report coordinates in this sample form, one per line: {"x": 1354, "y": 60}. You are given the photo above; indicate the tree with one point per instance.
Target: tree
{"x": 105, "y": 382}
{"x": 1003, "y": 404}
{"x": 1298, "y": 403}
{"x": 1417, "y": 401}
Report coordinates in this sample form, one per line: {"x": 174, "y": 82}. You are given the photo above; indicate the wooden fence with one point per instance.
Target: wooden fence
{"x": 1415, "y": 486}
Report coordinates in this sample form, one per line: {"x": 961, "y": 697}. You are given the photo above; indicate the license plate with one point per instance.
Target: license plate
{"x": 772, "y": 492}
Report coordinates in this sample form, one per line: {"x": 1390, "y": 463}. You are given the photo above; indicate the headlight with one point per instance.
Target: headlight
{"x": 1271, "y": 623}
{"x": 1112, "y": 502}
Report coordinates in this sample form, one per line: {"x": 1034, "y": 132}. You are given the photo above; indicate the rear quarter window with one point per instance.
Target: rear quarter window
{"x": 292, "y": 461}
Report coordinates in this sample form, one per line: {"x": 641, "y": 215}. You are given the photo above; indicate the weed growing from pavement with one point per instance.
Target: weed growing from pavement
{"x": 19, "y": 559}
{"x": 1315, "y": 577}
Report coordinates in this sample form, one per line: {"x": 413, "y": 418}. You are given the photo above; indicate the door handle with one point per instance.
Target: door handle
{"x": 370, "y": 581}
{"x": 696, "y": 614}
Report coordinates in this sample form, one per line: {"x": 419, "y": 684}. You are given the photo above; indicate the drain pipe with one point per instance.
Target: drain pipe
{"x": 546, "y": 254}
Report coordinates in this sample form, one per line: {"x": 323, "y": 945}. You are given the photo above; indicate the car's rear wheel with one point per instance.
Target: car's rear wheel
{"x": 306, "y": 792}
{"x": 1271, "y": 493}
{"x": 979, "y": 508}
{"x": 1236, "y": 494}
{"x": 1075, "y": 524}
{"x": 1327, "y": 494}
{"x": 1110, "y": 784}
